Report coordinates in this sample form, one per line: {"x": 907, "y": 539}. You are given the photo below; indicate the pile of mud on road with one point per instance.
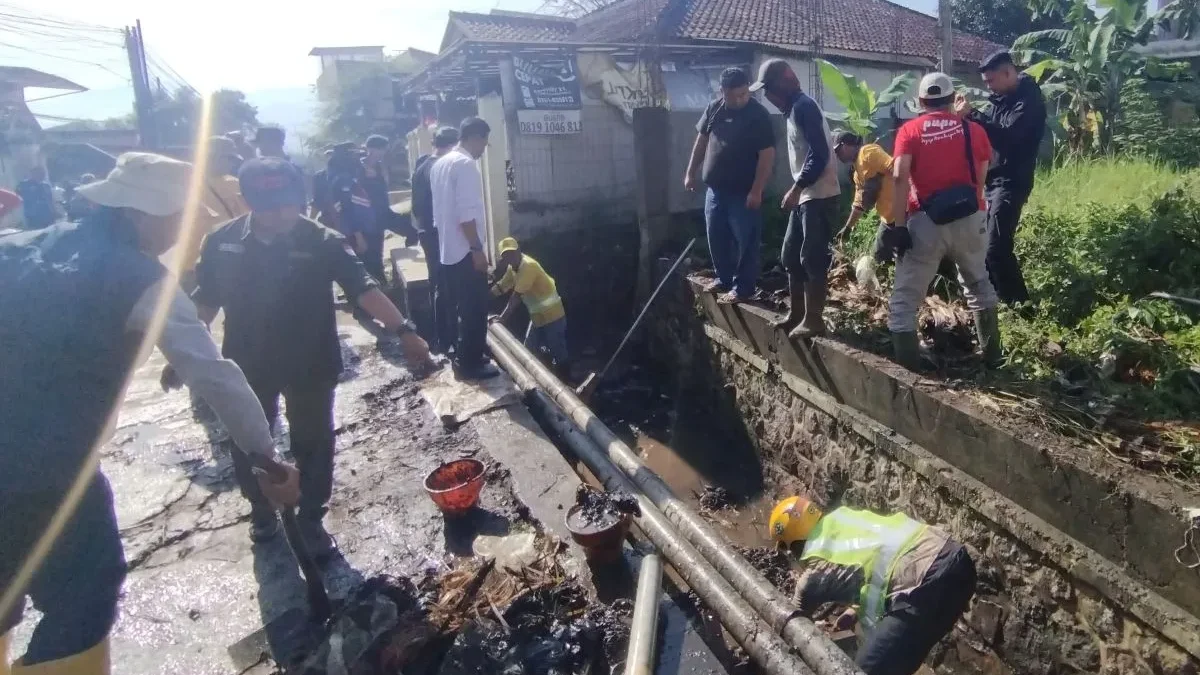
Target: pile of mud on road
{"x": 477, "y": 615}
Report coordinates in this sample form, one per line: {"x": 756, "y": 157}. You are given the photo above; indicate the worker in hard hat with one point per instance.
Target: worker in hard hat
{"x": 910, "y": 581}
{"x": 528, "y": 282}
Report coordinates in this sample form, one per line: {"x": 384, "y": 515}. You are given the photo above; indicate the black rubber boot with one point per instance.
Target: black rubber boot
{"x": 907, "y": 350}
{"x": 813, "y": 324}
{"x": 987, "y": 329}
{"x": 796, "y": 303}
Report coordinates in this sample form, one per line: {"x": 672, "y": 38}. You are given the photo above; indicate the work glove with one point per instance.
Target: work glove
{"x": 898, "y": 240}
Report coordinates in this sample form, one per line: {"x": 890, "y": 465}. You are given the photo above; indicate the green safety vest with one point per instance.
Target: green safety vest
{"x": 868, "y": 541}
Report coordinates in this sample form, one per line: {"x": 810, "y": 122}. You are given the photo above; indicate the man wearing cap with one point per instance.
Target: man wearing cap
{"x": 871, "y": 167}
{"x": 444, "y": 321}
{"x": 909, "y": 582}
{"x": 460, "y": 217}
{"x": 812, "y": 199}
{"x": 1015, "y": 124}
{"x": 526, "y": 281}
{"x": 79, "y": 303}
{"x": 735, "y": 144}
{"x": 272, "y": 272}
{"x": 223, "y": 198}
{"x": 940, "y": 162}
{"x": 357, "y": 217}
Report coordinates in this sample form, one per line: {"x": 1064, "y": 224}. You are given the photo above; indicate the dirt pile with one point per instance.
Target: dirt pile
{"x": 597, "y": 510}
{"x": 715, "y": 498}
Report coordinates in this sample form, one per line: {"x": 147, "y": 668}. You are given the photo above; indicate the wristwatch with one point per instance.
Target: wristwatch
{"x": 406, "y": 327}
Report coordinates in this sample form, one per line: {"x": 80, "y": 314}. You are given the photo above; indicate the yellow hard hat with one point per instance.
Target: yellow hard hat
{"x": 793, "y": 519}
{"x": 508, "y": 244}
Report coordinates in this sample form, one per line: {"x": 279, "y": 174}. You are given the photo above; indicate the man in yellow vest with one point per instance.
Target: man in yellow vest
{"x": 910, "y": 581}
{"x": 524, "y": 277}
{"x": 222, "y": 196}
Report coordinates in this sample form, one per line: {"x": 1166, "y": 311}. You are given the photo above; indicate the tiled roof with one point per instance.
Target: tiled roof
{"x": 857, "y": 25}
{"x": 511, "y": 27}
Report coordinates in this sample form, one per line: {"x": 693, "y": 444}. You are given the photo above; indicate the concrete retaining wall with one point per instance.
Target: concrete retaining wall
{"x": 1074, "y": 550}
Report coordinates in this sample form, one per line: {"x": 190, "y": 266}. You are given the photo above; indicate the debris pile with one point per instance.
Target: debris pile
{"x": 480, "y": 616}
{"x": 773, "y": 564}
{"x": 715, "y": 498}
{"x": 598, "y": 510}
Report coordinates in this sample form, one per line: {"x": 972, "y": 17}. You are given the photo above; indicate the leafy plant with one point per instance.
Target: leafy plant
{"x": 1085, "y": 67}
{"x": 862, "y": 104}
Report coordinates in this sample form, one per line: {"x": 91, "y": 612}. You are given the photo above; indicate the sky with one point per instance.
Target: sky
{"x": 251, "y": 45}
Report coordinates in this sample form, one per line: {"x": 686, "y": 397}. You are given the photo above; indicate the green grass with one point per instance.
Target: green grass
{"x": 1107, "y": 182}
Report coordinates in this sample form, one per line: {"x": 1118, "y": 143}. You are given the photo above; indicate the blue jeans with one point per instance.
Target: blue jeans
{"x": 734, "y": 237}
{"x": 552, "y": 336}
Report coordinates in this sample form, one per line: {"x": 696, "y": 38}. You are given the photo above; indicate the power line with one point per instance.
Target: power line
{"x": 66, "y": 58}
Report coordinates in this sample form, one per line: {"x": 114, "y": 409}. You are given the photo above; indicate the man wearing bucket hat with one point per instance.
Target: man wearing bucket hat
{"x": 528, "y": 282}
{"x": 910, "y": 582}
{"x": 272, "y": 272}
{"x": 79, "y": 304}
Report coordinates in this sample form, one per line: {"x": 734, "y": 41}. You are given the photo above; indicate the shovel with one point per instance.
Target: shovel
{"x": 251, "y": 649}
{"x": 585, "y": 390}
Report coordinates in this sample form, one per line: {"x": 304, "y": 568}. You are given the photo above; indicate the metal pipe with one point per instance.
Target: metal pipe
{"x": 777, "y": 610}
{"x": 767, "y": 649}
{"x": 640, "y": 658}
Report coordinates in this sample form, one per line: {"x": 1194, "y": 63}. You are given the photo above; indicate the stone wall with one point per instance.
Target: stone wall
{"x": 1046, "y": 603}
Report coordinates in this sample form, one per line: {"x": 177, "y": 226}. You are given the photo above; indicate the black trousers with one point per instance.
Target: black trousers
{"x": 469, "y": 301}
{"x": 1005, "y": 201}
{"x": 905, "y": 635}
{"x": 373, "y": 257}
{"x": 310, "y": 425}
{"x": 444, "y": 320}
{"x": 78, "y": 583}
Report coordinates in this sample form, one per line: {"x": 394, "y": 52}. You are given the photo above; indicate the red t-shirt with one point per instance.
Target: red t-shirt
{"x": 9, "y": 202}
{"x": 939, "y": 154}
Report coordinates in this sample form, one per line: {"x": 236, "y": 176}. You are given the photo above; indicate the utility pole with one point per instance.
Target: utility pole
{"x": 946, "y": 26}
{"x": 143, "y": 100}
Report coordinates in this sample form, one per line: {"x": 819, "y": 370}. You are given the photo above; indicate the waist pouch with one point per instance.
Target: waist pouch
{"x": 951, "y": 204}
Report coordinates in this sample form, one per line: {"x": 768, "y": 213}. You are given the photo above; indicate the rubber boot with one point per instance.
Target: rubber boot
{"x": 796, "y": 301}
{"x": 987, "y": 329}
{"x": 94, "y": 661}
{"x": 814, "y": 308}
{"x": 907, "y": 350}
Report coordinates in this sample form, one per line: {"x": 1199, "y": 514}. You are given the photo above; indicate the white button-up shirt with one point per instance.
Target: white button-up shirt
{"x": 457, "y": 188}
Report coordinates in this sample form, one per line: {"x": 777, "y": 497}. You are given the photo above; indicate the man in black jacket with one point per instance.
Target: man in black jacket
{"x": 1015, "y": 124}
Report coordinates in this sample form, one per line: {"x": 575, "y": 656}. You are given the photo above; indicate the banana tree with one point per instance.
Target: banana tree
{"x": 860, "y": 102}
{"x": 1083, "y": 68}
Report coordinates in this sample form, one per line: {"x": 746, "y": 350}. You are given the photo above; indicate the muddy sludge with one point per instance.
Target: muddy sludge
{"x": 523, "y": 616}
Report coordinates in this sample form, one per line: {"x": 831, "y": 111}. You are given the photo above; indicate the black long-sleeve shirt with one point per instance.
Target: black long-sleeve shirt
{"x": 1015, "y": 125}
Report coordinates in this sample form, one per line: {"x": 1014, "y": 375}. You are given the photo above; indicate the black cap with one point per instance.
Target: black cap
{"x": 445, "y": 137}
{"x": 269, "y": 183}
{"x": 995, "y": 60}
{"x": 267, "y": 133}
{"x": 770, "y": 73}
{"x": 844, "y": 137}
{"x": 376, "y": 141}
{"x": 734, "y": 78}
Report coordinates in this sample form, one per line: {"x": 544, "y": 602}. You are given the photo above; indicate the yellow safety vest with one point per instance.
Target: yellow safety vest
{"x": 869, "y": 541}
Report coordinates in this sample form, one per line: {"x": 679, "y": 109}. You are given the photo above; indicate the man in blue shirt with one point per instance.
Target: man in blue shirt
{"x": 38, "y": 198}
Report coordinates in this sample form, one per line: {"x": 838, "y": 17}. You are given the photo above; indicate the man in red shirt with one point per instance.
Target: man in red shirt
{"x": 940, "y": 165}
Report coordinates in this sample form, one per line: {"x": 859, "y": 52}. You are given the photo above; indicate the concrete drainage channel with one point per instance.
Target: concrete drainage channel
{"x": 1074, "y": 552}
{"x": 754, "y": 612}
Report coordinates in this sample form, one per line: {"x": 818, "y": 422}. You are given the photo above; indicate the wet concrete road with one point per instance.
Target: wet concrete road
{"x": 196, "y": 584}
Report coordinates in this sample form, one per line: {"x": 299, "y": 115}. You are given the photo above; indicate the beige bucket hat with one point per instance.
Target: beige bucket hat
{"x": 143, "y": 181}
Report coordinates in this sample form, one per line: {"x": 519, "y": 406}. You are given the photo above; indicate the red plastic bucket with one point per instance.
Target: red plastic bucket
{"x": 601, "y": 543}
{"x": 455, "y": 486}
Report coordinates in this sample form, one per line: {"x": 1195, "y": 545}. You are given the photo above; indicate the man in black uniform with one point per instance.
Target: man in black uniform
{"x": 445, "y": 330}
{"x": 272, "y": 272}
{"x": 1015, "y": 124}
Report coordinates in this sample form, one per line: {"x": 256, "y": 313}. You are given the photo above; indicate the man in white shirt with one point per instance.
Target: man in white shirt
{"x": 459, "y": 216}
